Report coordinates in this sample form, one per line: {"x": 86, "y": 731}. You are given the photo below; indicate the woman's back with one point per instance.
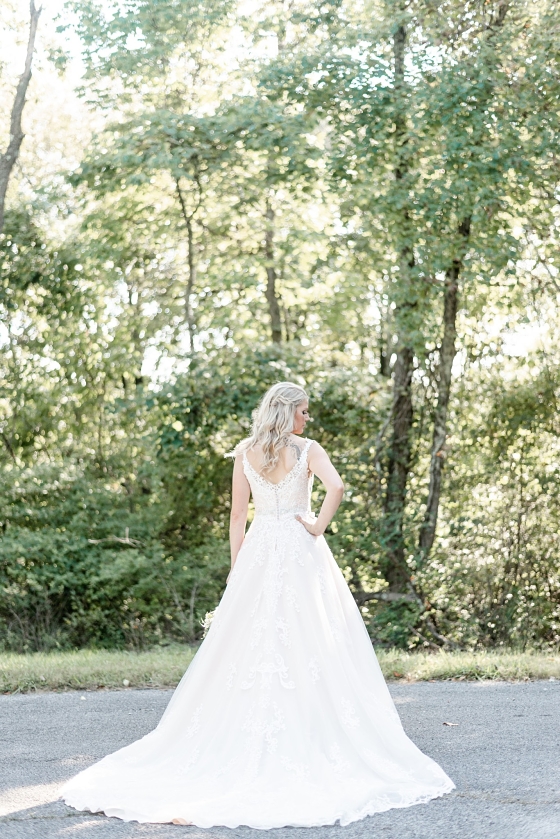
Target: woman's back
{"x": 288, "y": 457}
{"x": 287, "y": 493}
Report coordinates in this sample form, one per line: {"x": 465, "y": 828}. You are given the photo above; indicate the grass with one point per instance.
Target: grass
{"x": 163, "y": 667}
{"x": 507, "y": 665}
{"x": 93, "y": 669}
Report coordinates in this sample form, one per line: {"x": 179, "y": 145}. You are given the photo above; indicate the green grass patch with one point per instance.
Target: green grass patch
{"x": 94, "y": 669}
{"x": 492, "y": 664}
{"x": 163, "y": 668}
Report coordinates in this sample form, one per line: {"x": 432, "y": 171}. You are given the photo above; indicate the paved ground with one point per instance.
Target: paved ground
{"x": 504, "y": 756}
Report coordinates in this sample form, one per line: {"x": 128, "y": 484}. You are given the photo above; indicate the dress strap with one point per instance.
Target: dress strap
{"x": 246, "y": 465}
{"x": 307, "y": 446}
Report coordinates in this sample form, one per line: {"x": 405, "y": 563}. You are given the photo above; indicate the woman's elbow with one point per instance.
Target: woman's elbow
{"x": 338, "y": 487}
{"x": 238, "y": 515}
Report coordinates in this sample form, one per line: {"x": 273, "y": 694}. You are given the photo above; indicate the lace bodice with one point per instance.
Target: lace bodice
{"x": 289, "y": 496}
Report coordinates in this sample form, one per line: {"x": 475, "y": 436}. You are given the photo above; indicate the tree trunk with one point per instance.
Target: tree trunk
{"x": 447, "y": 355}
{"x": 8, "y": 159}
{"x": 190, "y": 285}
{"x": 191, "y": 259}
{"x": 395, "y": 568}
{"x": 384, "y": 342}
{"x": 384, "y": 362}
{"x": 271, "y": 293}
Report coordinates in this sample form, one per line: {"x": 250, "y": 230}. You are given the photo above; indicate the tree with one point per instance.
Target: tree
{"x": 10, "y": 156}
{"x": 432, "y": 136}
{"x": 361, "y": 198}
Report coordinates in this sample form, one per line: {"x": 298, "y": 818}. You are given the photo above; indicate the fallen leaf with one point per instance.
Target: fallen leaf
{"x": 451, "y": 723}
{"x": 397, "y": 675}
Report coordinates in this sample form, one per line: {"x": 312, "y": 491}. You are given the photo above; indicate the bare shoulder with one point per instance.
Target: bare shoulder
{"x": 316, "y": 454}
{"x": 256, "y": 450}
{"x": 315, "y": 448}
{"x": 238, "y": 463}
{"x": 255, "y": 455}
{"x": 295, "y": 444}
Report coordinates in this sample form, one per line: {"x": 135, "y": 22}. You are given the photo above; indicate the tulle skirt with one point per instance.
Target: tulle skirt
{"x": 283, "y": 717}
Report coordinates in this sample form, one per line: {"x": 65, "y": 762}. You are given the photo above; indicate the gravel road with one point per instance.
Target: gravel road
{"x": 503, "y": 754}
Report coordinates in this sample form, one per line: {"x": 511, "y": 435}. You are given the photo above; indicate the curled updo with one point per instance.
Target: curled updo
{"x": 273, "y": 420}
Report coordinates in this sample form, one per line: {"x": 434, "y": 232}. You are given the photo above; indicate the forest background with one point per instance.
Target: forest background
{"x": 210, "y": 197}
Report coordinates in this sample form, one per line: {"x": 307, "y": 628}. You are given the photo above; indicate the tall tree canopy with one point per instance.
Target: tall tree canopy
{"x": 363, "y": 198}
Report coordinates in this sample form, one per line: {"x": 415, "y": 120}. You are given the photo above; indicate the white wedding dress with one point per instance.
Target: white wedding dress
{"x": 283, "y": 717}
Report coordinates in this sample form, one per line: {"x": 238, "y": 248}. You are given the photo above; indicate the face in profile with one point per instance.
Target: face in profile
{"x": 301, "y": 417}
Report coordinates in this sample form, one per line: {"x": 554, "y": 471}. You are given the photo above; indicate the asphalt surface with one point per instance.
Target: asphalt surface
{"x": 503, "y": 754}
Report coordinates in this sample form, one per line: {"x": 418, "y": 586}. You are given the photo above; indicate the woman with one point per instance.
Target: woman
{"x": 283, "y": 717}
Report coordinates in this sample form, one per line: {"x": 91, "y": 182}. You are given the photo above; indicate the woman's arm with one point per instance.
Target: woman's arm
{"x": 240, "y": 493}
{"x": 319, "y": 463}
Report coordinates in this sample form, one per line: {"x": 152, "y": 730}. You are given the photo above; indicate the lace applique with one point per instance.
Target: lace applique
{"x": 349, "y": 716}
{"x": 338, "y": 763}
{"x": 292, "y": 598}
{"x": 264, "y": 721}
{"x": 300, "y": 770}
{"x": 259, "y": 556}
{"x": 314, "y": 669}
{"x": 232, "y": 673}
{"x": 283, "y": 630}
{"x": 255, "y": 608}
{"x": 322, "y": 577}
{"x": 273, "y": 583}
{"x": 257, "y": 630}
{"x": 335, "y": 627}
{"x": 266, "y": 670}
{"x": 194, "y": 725}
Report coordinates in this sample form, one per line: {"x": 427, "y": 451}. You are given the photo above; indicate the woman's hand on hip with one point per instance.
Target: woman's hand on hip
{"x": 310, "y": 526}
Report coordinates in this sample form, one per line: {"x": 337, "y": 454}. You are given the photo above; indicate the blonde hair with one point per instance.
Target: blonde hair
{"x": 273, "y": 420}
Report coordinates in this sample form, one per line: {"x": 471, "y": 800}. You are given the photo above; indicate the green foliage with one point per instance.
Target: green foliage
{"x": 81, "y": 565}
{"x": 501, "y": 520}
{"x": 138, "y": 38}
{"x": 240, "y": 162}
{"x": 33, "y": 273}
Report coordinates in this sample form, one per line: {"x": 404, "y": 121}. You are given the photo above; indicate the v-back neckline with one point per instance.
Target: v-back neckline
{"x": 287, "y": 475}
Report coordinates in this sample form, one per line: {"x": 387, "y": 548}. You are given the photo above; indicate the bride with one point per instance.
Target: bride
{"x": 283, "y": 717}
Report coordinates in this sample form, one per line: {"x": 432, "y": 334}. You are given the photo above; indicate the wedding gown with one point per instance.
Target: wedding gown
{"x": 283, "y": 717}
